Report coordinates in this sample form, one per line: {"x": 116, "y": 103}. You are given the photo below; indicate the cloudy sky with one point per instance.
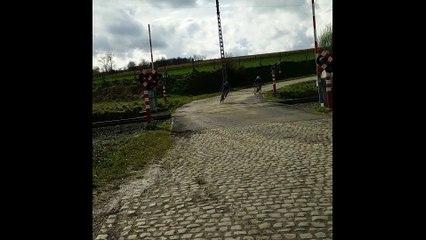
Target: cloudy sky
{"x": 184, "y": 28}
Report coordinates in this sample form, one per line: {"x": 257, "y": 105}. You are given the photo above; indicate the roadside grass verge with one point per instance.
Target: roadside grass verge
{"x": 293, "y": 91}
{"x": 113, "y": 161}
{"x": 112, "y": 110}
{"x": 297, "y": 91}
{"x": 318, "y": 108}
{"x": 116, "y": 160}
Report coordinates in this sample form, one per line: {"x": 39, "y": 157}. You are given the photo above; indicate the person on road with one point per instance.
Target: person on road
{"x": 257, "y": 84}
{"x": 224, "y": 90}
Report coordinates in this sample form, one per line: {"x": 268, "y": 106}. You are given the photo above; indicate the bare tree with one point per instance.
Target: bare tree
{"x": 106, "y": 62}
{"x": 228, "y": 55}
{"x": 198, "y": 57}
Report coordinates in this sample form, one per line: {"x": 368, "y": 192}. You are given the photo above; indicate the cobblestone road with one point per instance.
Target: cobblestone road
{"x": 271, "y": 180}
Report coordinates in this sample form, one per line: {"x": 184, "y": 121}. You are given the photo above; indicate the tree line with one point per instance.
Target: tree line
{"x": 107, "y": 63}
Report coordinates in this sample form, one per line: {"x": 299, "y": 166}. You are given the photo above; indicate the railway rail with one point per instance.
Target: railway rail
{"x": 130, "y": 120}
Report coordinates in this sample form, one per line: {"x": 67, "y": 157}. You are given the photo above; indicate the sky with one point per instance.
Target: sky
{"x": 184, "y": 28}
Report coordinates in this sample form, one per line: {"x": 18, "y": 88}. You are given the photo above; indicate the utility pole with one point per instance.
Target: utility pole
{"x": 222, "y": 50}
{"x": 320, "y": 97}
{"x": 150, "y": 47}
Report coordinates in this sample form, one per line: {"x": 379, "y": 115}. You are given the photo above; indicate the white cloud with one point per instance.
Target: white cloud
{"x": 187, "y": 27}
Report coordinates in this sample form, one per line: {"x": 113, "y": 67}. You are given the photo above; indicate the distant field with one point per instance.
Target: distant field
{"x": 245, "y": 61}
{"x": 214, "y": 64}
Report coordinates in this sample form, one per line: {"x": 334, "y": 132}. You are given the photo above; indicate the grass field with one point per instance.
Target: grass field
{"x": 110, "y": 110}
{"x": 215, "y": 64}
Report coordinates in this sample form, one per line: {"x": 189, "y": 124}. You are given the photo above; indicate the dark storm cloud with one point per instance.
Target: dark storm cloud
{"x": 122, "y": 32}
{"x": 125, "y": 27}
{"x": 161, "y": 35}
{"x": 101, "y": 44}
{"x": 182, "y": 28}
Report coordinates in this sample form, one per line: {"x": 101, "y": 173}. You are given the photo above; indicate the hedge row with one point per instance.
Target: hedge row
{"x": 209, "y": 82}
{"x": 197, "y": 83}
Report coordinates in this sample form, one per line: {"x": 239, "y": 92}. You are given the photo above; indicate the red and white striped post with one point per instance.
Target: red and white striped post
{"x": 316, "y": 52}
{"x": 147, "y": 106}
{"x": 325, "y": 60}
{"x": 273, "y": 82}
{"x": 328, "y": 89}
{"x": 152, "y": 67}
{"x": 146, "y": 100}
{"x": 164, "y": 93}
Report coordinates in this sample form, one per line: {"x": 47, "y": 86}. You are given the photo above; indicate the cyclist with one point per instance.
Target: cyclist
{"x": 257, "y": 84}
{"x": 225, "y": 90}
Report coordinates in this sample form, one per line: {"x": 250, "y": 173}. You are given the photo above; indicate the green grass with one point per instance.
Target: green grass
{"x": 117, "y": 106}
{"x": 298, "y": 90}
{"x": 294, "y": 91}
{"x": 210, "y": 66}
{"x": 173, "y": 102}
{"x": 97, "y": 81}
{"x": 239, "y": 62}
{"x": 320, "y": 109}
{"x": 112, "y": 110}
{"x": 115, "y": 160}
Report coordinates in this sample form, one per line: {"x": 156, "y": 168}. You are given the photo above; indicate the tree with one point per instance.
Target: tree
{"x": 228, "y": 55}
{"x": 131, "y": 65}
{"x": 106, "y": 62}
{"x": 95, "y": 71}
{"x": 160, "y": 62}
{"x": 326, "y": 39}
{"x": 198, "y": 57}
{"x": 144, "y": 63}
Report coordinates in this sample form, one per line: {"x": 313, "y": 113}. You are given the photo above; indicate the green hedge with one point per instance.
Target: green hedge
{"x": 197, "y": 83}
{"x": 209, "y": 82}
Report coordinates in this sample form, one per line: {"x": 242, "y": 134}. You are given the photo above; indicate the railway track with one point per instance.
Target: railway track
{"x": 168, "y": 115}
{"x": 130, "y": 120}
{"x": 299, "y": 100}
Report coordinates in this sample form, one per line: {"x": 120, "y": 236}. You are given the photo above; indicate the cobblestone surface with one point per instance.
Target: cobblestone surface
{"x": 271, "y": 180}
